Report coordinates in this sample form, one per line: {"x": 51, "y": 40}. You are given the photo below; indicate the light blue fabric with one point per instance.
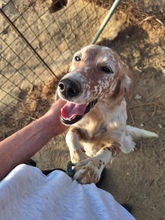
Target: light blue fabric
{"x": 27, "y": 194}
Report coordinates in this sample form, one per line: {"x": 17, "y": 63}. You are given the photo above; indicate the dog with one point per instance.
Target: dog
{"x": 95, "y": 90}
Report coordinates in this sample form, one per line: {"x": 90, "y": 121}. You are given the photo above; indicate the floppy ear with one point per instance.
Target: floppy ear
{"x": 124, "y": 85}
{"x": 128, "y": 84}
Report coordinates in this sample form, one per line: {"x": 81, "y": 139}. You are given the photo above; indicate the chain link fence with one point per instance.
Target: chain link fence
{"x": 37, "y": 45}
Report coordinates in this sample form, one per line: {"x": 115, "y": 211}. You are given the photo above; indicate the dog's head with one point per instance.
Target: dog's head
{"x": 96, "y": 74}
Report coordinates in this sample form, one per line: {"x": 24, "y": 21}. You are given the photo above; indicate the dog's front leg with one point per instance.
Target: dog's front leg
{"x": 89, "y": 170}
{"x": 72, "y": 140}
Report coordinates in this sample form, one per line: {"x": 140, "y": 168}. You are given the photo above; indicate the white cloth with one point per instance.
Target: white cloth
{"x": 27, "y": 194}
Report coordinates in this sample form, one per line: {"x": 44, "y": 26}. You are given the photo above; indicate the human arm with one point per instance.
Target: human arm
{"x": 23, "y": 144}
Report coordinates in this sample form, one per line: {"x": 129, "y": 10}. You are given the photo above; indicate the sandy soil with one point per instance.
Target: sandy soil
{"x": 137, "y": 179}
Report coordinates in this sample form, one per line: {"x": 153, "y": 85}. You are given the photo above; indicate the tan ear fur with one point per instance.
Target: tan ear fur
{"x": 128, "y": 84}
{"x": 124, "y": 85}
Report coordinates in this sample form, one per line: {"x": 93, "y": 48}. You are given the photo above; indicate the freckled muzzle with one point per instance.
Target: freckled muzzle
{"x": 72, "y": 112}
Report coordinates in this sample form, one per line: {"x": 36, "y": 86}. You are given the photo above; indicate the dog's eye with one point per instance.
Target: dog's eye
{"x": 107, "y": 69}
{"x": 77, "y": 58}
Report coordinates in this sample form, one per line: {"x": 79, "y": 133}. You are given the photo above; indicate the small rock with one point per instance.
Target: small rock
{"x": 138, "y": 97}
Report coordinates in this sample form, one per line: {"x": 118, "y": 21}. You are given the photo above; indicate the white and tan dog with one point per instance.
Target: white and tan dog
{"x": 95, "y": 90}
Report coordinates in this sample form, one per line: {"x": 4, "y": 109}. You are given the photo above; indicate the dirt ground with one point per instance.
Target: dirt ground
{"x": 136, "y": 179}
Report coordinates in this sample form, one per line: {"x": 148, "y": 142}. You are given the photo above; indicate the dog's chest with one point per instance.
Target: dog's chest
{"x": 94, "y": 139}
{"x": 99, "y": 129}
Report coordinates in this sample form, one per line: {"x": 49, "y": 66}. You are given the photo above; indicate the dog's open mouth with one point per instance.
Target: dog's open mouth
{"x": 71, "y": 113}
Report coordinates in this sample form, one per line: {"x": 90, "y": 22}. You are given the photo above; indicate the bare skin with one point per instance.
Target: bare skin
{"x": 23, "y": 144}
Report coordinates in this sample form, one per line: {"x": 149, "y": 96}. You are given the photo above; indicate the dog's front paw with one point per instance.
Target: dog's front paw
{"x": 88, "y": 171}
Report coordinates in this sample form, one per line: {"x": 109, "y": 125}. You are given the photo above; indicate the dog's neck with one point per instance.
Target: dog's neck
{"x": 102, "y": 113}
{"x": 108, "y": 108}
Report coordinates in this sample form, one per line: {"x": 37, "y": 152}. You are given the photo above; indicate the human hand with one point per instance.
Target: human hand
{"x": 53, "y": 116}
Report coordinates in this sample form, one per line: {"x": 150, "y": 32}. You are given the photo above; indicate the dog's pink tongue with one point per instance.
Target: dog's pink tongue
{"x": 70, "y": 110}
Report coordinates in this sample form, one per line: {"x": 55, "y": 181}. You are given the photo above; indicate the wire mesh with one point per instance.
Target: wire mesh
{"x": 37, "y": 45}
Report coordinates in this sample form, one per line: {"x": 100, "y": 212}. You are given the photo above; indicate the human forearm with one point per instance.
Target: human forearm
{"x": 25, "y": 143}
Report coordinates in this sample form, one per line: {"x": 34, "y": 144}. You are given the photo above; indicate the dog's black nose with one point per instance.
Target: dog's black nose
{"x": 69, "y": 89}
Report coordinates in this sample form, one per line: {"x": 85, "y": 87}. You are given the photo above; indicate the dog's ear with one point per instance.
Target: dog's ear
{"x": 127, "y": 83}
{"x": 124, "y": 85}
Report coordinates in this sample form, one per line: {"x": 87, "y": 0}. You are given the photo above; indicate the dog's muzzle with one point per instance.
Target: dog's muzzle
{"x": 72, "y": 112}
{"x": 69, "y": 89}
